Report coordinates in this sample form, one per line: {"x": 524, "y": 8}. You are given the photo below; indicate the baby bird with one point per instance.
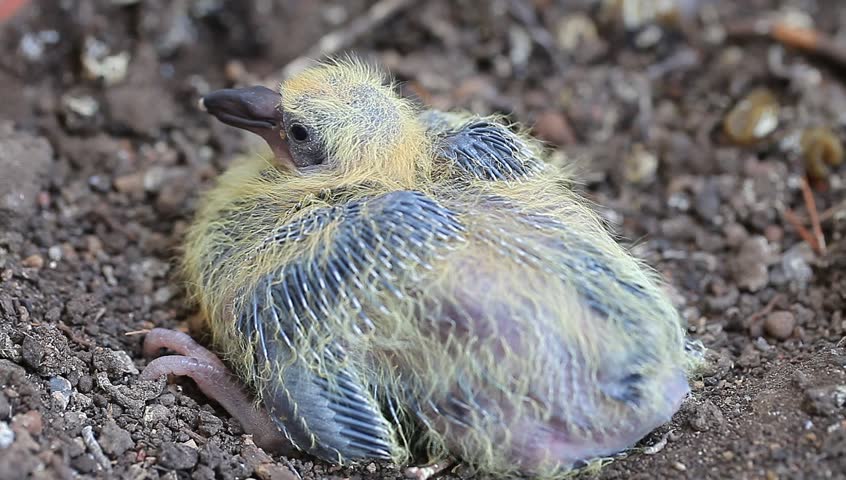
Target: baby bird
{"x": 396, "y": 280}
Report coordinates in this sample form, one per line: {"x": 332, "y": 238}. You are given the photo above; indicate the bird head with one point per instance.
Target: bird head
{"x": 342, "y": 119}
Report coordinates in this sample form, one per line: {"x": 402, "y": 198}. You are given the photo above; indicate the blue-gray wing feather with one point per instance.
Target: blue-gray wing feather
{"x": 374, "y": 241}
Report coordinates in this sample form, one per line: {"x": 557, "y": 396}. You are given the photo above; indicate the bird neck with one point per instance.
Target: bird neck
{"x": 396, "y": 163}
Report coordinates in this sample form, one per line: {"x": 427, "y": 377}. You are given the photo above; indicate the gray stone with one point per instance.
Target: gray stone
{"x": 60, "y": 391}
{"x": 177, "y": 456}
{"x": 7, "y": 435}
{"x": 115, "y": 440}
{"x": 24, "y": 162}
{"x": 113, "y": 362}
{"x": 751, "y": 264}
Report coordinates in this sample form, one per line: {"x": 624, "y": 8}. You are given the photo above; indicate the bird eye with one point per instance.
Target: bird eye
{"x": 298, "y": 132}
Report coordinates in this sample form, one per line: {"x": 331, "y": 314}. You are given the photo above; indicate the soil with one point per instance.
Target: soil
{"x": 103, "y": 154}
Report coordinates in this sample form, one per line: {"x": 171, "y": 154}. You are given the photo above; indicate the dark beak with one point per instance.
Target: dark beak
{"x": 256, "y": 109}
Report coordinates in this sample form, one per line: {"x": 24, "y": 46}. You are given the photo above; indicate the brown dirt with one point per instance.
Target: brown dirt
{"x": 98, "y": 180}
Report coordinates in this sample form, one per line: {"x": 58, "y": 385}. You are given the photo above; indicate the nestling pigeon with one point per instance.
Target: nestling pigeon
{"x": 397, "y": 280}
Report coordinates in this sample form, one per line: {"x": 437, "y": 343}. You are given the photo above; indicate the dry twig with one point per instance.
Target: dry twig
{"x": 143, "y": 331}
{"x": 811, "y": 206}
{"x": 72, "y": 335}
{"x": 807, "y": 40}
{"x": 803, "y": 232}
{"x": 766, "y": 310}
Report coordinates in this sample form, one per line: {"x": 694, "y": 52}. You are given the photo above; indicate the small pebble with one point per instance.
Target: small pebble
{"x": 774, "y": 233}
{"x": 31, "y": 421}
{"x": 707, "y": 203}
{"x": 82, "y": 400}
{"x": 5, "y": 407}
{"x": 640, "y": 165}
{"x": 209, "y": 423}
{"x": 735, "y": 234}
{"x": 753, "y": 117}
{"x": 827, "y": 401}
{"x": 177, "y": 456}
{"x": 234, "y": 71}
{"x": 153, "y": 178}
{"x": 132, "y": 183}
{"x": 162, "y": 295}
{"x": 203, "y": 472}
{"x": 113, "y": 362}
{"x": 25, "y": 161}
{"x": 705, "y": 416}
{"x": 7, "y": 436}
{"x": 83, "y": 105}
{"x": 85, "y": 463}
{"x": 54, "y": 253}
{"x": 115, "y": 440}
{"x": 109, "y": 275}
{"x": 33, "y": 261}
{"x": 33, "y": 44}
{"x": 552, "y": 126}
{"x": 98, "y": 63}
{"x": 75, "y": 447}
{"x": 85, "y": 384}
{"x": 167, "y": 399}
{"x": 155, "y": 413}
{"x": 751, "y": 262}
{"x": 761, "y": 344}
{"x": 780, "y": 324}
{"x": 795, "y": 263}
{"x": 60, "y": 391}
{"x": 679, "y": 227}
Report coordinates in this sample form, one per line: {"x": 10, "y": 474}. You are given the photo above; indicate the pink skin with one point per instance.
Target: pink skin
{"x": 214, "y": 380}
{"x": 218, "y": 383}
{"x": 544, "y": 439}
